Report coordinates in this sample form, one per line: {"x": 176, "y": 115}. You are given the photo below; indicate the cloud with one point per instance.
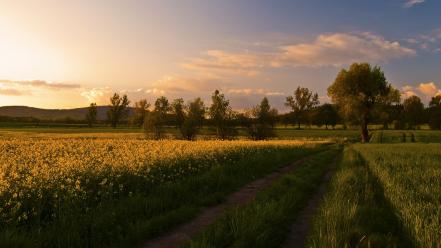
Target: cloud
{"x": 429, "y": 89}
{"x": 430, "y": 41}
{"x": 335, "y": 49}
{"x": 175, "y": 86}
{"x": 424, "y": 90}
{"x": 255, "y": 91}
{"x": 101, "y": 95}
{"x": 242, "y": 63}
{"x": 407, "y": 91}
{"x": 96, "y": 94}
{"x": 340, "y": 49}
{"x": 171, "y": 86}
{"x": 411, "y": 3}
{"x": 11, "y": 92}
{"x": 179, "y": 84}
{"x": 40, "y": 83}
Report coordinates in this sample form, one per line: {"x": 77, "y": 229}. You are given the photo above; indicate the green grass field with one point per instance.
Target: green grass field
{"x": 383, "y": 195}
{"x": 406, "y": 136}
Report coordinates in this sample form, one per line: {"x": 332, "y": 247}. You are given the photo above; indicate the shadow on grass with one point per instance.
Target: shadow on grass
{"x": 378, "y": 223}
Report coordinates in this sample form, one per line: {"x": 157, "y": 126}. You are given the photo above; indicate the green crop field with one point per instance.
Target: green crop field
{"x": 406, "y": 136}
{"x": 383, "y": 195}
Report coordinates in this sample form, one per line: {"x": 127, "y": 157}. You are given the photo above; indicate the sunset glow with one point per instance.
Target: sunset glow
{"x": 247, "y": 49}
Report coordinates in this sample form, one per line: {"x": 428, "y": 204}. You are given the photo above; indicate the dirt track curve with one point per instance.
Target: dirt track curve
{"x": 184, "y": 232}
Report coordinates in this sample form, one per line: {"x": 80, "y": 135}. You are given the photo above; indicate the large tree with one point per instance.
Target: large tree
{"x": 413, "y": 111}
{"x": 358, "y": 91}
{"x": 178, "y": 111}
{"x": 262, "y": 117}
{"x": 156, "y": 119}
{"x": 301, "y": 103}
{"x": 91, "y": 114}
{"x": 220, "y": 113}
{"x": 140, "y": 112}
{"x": 118, "y": 109}
{"x": 193, "y": 118}
{"x": 196, "y": 109}
{"x": 326, "y": 115}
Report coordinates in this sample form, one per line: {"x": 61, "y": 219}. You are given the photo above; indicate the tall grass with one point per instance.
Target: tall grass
{"x": 411, "y": 177}
{"x": 354, "y": 212}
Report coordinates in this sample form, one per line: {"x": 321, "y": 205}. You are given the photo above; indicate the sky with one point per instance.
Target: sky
{"x": 65, "y": 54}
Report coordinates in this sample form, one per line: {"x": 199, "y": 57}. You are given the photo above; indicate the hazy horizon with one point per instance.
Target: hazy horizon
{"x": 66, "y": 54}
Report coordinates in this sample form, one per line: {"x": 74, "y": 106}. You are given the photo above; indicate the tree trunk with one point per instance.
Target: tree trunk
{"x": 298, "y": 124}
{"x": 364, "y": 132}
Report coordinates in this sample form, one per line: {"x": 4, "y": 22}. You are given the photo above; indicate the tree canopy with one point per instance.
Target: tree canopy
{"x": 140, "y": 112}
{"x": 262, "y": 118}
{"x": 117, "y": 109}
{"x": 91, "y": 114}
{"x": 358, "y": 91}
{"x": 413, "y": 111}
{"x": 301, "y": 103}
{"x": 220, "y": 113}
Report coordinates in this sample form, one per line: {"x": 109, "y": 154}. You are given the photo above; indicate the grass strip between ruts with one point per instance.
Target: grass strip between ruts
{"x": 266, "y": 221}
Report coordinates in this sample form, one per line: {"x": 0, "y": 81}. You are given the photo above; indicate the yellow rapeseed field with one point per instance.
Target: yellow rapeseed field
{"x": 39, "y": 174}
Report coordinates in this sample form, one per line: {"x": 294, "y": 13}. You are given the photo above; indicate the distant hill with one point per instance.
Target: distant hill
{"x": 52, "y": 114}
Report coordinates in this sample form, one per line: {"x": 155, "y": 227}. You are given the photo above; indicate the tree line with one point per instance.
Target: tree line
{"x": 360, "y": 95}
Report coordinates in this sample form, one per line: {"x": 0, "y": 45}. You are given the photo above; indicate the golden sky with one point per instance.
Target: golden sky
{"x": 62, "y": 54}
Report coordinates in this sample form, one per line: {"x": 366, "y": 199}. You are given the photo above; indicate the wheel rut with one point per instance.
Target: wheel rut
{"x": 303, "y": 222}
{"x": 183, "y": 233}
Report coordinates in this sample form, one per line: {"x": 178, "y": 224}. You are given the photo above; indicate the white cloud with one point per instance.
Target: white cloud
{"x": 171, "y": 86}
{"x": 340, "y": 49}
{"x": 221, "y": 62}
{"x": 102, "y": 95}
{"x": 326, "y": 50}
{"x": 411, "y": 3}
{"x": 254, "y": 91}
{"x": 96, "y": 94}
{"x": 424, "y": 90}
{"x": 40, "y": 83}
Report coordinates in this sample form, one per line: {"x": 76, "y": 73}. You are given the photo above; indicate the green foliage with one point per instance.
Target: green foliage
{"x": 193, "y": 119}
{"x": 91, "y": 114}
{"x": 140, "y": 112}
{"x": 118, "y": 109}
{"x": 413, "y": 111}
{"x": 302, "y": 103}
{"x": 325, "y": 115}
{"x": 221, "y": 115}
{"x": 178, "y": 110}
{"x": 358, "y": 91}
{"x": 260, "y": 124}
{"x": 434, "y": 112}
{"x": 155, "y": 121}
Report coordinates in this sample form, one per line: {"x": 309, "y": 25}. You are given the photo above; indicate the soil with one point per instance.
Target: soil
{"x": 300, "y": 228}
{"x": 184, "y": 232}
